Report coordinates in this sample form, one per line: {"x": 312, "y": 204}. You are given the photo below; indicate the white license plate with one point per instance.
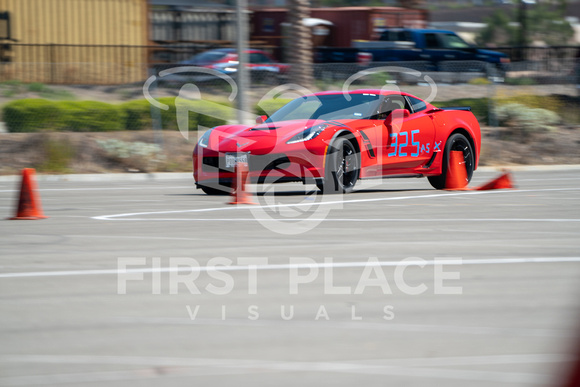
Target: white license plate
{"x": 233, "y": 158}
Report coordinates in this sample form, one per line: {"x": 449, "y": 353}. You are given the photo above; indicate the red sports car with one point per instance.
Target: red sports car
{"x": 335, "y": 138}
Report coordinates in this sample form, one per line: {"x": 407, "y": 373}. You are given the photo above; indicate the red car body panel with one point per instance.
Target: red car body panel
{"x": 410, "y": 145}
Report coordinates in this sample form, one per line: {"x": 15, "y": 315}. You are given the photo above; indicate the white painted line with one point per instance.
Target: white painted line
{"x": 554, "y": 179}
{"x": 521, "y": 220}
{"x": 209, "y": 362}
{"x": 331, "y": 202}
{"x": 476, "y": 360}
{"x": 105, "y": 177}
{"x": 101, "y": 377}
{"x": 136, "y": 188}
{"x": 320, "y": 265}
{"x": 398, "y": 367}
{"x": 137, "y": 177}
{"x": 134, "y": 237}
{"x": 357, "y": 326}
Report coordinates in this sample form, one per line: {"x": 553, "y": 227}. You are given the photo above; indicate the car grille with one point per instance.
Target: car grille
{"x": 255, "y": 163}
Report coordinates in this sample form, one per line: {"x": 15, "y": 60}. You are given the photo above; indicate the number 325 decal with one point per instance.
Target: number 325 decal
{"x": 401, "y": 140}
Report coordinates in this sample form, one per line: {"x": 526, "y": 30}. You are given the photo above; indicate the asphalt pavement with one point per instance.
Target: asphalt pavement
{"x": 147, "y": 282}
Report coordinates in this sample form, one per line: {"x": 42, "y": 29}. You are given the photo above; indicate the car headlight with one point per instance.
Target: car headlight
{"x": 308, "y": 134}
{"x": 204, "y": 139}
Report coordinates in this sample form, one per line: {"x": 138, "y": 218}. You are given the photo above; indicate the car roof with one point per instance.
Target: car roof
{"x": 364, "y": 91}
{"x": 425, "y": 30}
{"x": 233, "y": 50}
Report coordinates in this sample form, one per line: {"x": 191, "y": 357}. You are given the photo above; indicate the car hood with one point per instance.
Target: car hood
{"x": 258, "y": 139}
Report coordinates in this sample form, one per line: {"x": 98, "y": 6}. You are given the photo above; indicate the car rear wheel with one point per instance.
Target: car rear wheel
{"x": 342, "y": 167}
{"x": 457, "y": 142}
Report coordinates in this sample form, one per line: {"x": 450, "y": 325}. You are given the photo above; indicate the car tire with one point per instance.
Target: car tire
{"x": 456, "y": 142}
{"x": 342, "y": 167}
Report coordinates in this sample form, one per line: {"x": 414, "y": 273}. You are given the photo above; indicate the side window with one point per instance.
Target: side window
{"x": 390, "y": 103}
{"x": 406, "y": 36}
{"x": 417, "y": 104}
{"x": 386, "y": 36}
{"x": 453, "y": 41}
{"x": 258, "y": 58}
{"x": 431, "y": 41}
{"x": 396, "y": 35}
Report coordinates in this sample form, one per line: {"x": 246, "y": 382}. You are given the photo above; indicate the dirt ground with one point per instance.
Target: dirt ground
{"x": 82, "y": 153}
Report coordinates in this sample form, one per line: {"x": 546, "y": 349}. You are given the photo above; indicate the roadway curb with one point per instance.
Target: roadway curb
{"x": 525, "y": 168}
{"x": 97, "y": 177}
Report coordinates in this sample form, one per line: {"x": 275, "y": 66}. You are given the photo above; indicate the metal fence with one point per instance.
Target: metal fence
{"x": 88, "y": 64}
{"x": 122, "y": 64}
{"x": 533, "y": 53}
{"x": 92, "y": 64}
{"x": 191, "y": 25}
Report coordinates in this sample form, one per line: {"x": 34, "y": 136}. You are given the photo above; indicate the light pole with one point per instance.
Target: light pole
{"x": 242, "y": 49}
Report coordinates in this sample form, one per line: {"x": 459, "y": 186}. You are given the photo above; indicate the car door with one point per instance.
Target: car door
{"x": 436, "y": 50}
{"x": 260, "y": 62}
{"x": 407, "y": 138}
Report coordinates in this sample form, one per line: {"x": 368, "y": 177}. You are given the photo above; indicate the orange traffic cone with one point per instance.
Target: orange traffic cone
{"x": 456, "y": 178}
{"x": 239, "y": 194}
{"x": 502, "y": 182}
{"x": 28, "y": 202}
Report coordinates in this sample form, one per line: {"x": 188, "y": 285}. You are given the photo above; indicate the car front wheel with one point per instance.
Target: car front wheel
{"x": 342, "y": 167}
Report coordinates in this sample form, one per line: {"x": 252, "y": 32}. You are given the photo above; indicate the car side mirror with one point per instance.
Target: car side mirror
{"x": 261, "y": 119}
{"x": 404, "y": 113}
{"x": 397, "y": 114}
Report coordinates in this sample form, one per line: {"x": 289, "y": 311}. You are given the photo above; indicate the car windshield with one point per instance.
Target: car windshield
{"x": 328, "y": 107}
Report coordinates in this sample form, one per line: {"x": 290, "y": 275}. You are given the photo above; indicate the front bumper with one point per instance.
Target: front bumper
{"x": 209, "y": 167}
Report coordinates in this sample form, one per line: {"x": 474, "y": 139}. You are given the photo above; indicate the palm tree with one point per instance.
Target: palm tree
{"x": 300, "y": 45}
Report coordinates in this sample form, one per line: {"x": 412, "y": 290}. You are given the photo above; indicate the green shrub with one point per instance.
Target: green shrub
{"x": 210, "y": 114}
{"x": 199, "y": 112}
{"x": 269, "y": 106}
{"x": 137, "y": 114}
{"x": 479, "y": 81}
{"x": 123, "y": 149}
{"x": 550, "y": 102}
{"x": 523, "y": 81}
{"x": 137, "y": 155}
{"x": 90, "y": 116}
{"x": 527, "y": 119}
{"x": 57, "y": 156}
{"x": 36, "y": 87}
{"x": 32, "y": 115}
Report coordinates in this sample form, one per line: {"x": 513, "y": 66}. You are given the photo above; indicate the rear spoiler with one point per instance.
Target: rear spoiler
{"x": 435, "y": 110}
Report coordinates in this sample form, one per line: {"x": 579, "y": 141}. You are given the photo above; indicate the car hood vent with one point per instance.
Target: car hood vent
{"x": 265, "y": 127}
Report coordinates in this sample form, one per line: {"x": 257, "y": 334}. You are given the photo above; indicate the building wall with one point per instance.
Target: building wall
{"x": 51, "y": 39}
{"x": 350, "y": 23}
